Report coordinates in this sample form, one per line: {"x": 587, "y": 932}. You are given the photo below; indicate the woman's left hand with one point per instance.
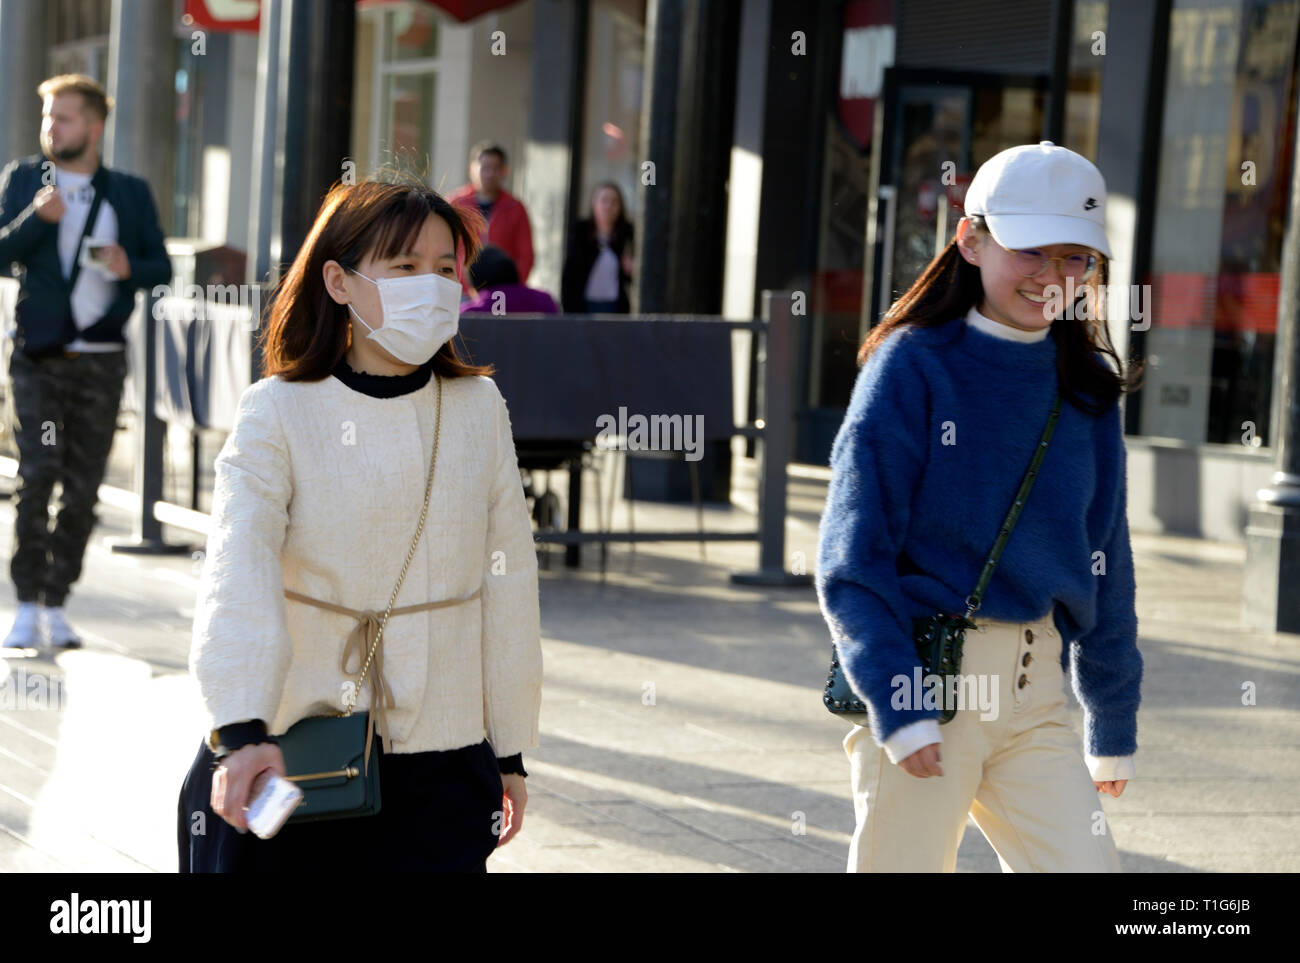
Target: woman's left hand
{"x": 1112, "y": 786}
{"x": 513, "y": 799}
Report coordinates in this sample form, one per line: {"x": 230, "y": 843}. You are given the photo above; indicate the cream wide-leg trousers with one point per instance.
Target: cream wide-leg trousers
{"x": 1020, "y": 774}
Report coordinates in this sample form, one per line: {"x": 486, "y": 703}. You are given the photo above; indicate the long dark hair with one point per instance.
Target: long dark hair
{"x": 950, "y": 286}
{"x": 307, "y": 333}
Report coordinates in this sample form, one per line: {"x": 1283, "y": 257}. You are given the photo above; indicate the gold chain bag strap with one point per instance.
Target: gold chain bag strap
{"x": 329, "y": 757}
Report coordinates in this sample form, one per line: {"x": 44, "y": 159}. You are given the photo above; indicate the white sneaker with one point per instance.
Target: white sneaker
{"x": 57, "y": 629}
{"x": 26, "y": 631}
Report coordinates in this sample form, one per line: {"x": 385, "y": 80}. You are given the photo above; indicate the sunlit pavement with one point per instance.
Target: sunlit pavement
{"x": 682, "y": 727}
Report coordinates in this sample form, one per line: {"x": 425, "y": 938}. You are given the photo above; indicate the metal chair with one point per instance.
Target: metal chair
{"x": 615, "y": 446}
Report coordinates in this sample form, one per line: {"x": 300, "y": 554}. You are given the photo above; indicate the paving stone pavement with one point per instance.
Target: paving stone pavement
{"x": 682, "y": 727}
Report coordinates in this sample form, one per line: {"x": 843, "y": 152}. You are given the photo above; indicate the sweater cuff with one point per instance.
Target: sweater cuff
{"x": 1108, "y": 768}
{"x": 911, "y": 737}
{"x": 512, "y": 764}
{"x": 237, "y": 735}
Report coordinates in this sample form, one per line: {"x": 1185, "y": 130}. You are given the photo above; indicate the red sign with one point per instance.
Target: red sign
{"x": 223, "y": 16}
{"x": 462, "y": 10}
{"x": 868, "y": 40}
{"x": 1225, "y": 302}
{"x": 244, "y": 15}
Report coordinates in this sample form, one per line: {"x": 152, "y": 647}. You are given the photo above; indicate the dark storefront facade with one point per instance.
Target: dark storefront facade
{"x": 762, "y": 144}
{"x": 1188, "y": 107}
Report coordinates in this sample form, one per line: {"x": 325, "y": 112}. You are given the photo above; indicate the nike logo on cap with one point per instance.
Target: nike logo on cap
{"x": 1090, "y": 203}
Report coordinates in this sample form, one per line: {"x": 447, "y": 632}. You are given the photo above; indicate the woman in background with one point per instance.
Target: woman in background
{"x": 598, "y": 266}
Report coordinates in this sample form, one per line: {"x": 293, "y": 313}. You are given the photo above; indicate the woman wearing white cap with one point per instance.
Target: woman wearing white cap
{"x": 944, "y": 421}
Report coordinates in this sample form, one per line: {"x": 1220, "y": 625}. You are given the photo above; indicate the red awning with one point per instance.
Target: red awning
{"x": 464, "y": 10}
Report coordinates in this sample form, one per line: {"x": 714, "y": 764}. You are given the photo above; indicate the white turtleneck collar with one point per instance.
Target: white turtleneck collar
{"x": 1000, "y": 330}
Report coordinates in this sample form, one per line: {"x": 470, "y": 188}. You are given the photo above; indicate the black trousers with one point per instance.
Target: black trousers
{"x": 65, "y": 410}
{"x": 439, "y": 812}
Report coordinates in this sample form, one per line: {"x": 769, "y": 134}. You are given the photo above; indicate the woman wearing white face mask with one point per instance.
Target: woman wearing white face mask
{"x": 366, "y": 411}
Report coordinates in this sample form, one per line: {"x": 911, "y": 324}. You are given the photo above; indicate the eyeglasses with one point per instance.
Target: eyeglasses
{"x": 1028, "y": 263}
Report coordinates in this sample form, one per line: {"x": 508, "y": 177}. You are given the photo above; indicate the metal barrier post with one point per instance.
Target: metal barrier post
{"x": 147, "y": 535}
{"x": 776, "y": 379}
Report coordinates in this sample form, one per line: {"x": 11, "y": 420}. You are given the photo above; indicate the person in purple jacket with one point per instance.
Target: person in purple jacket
{"x": 956, "y": 386}
{"x": 495, "y": 281}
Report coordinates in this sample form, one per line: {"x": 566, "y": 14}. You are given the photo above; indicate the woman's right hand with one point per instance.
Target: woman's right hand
{"x": 234, "y": 777}
{"x": 924, "y": 762}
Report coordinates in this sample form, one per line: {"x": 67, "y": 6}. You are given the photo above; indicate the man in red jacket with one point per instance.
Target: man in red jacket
{"x": 507, "y": 219}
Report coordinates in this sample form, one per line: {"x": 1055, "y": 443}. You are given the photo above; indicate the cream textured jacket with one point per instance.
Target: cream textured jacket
{"x": 319, "y": 490}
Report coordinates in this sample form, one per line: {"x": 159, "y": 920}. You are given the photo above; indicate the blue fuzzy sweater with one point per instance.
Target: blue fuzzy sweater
{"x": 910, "y": 519}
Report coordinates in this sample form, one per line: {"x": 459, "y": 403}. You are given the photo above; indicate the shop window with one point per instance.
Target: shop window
{"x": 1223, "y": 192}
{"x": 611, "y": 137}
{"x": 1083, "y": 91}
{"x": 394, "y": 108}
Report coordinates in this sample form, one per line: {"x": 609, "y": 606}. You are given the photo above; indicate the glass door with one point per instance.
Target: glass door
{"x": 931, "y": 146}
{"x": 938, "y": 127}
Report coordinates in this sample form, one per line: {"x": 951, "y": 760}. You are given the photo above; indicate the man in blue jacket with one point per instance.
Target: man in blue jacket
{"x": 83, "y": 239}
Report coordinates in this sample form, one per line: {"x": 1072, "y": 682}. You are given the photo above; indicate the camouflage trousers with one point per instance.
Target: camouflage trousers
{"x": 65, "y": 413}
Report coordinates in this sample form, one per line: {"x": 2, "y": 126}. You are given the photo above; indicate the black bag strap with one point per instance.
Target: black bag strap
{"x": 976, "y": 597}
{"x": 91, "y": 217}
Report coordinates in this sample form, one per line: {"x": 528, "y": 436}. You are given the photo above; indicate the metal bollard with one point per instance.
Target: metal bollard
{"x": 776, "y": 378}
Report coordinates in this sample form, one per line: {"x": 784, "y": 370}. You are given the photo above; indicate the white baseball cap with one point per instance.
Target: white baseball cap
{"x": 1040, "y": 194}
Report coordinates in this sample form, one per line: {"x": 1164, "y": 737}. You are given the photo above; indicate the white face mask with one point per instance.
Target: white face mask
{"x": 421, "y": 313}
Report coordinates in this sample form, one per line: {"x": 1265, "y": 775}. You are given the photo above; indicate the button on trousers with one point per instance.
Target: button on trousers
{"x": 1019, "y": 774}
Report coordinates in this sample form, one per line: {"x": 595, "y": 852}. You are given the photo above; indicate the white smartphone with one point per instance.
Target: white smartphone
{"x": 273, "y": 801}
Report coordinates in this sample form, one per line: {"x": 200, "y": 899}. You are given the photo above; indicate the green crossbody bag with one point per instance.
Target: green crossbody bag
{"x": 326, "y": 757}
{"x": 331, "y": 758}
{"x": 939, "y": 638}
